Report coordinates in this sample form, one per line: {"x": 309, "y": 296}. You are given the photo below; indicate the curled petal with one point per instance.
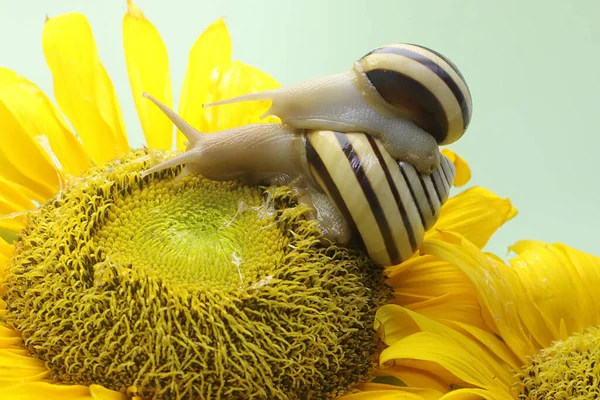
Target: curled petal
{"x": 406, "y": 332}
{"x": 561, "y": 284}
{"x": 498, "y": 288}
{"x": 476, "y": 214}
{"x": 487, "y": 339}
{"x": 436, "y": 289}
{"x": 148, "y": 69}
{"x": 463, "y": 171}
{"x": 442, "y": 355}
{"x": 83, "y": 90}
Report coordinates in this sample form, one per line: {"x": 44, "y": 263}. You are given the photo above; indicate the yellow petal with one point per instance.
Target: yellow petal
{"x": 451, "y": 306}
{"x": 42, "y": 122}
{"x": 383, "y": 391}
{"x": 10, "y": 226}
{"x": 9, "y": 338}
{"x": 10, "y": 342}
{"x": 476, "y": 214}
{"x": 463, "y": 171}
{"x": 523, "y": 246}
{"x": 414, "y": 377}
{"x": 83, "y": 90}
{"x": 4, "y": 260}
{"x": 424, "y": 348}
{"x": 561, "y": 283}
{"x": 19, "y": 352}
{"x": 148, "y": 69}
{"x": 231, "y": 80}
{"x": 26, "y": 155}
{"x": 15, "y": 369}
{"x": 101, "y": 393}
{"x": 397, "y": 394}
{"x": 498, "y": 288}
{"x": 14, "y": 198}
{"x": 15, "y": 202}
{"x": 398, "y": 324}
{"x": 211, "y": 49}
{"x": 436, "y": 289}
{"x": 477, "y": 394}
{"x": 5, "y": 248}
{"x": 53, "y": 391}
{"x": 14, "y": 174}
{"x": 487, "y": 339}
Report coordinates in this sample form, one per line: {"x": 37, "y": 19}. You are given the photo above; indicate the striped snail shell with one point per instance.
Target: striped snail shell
{"x": 389, "y": 205}
{"x": 411, "y": 98}
{"x": 356, "y": 189}
{"x": 419, "y": 83}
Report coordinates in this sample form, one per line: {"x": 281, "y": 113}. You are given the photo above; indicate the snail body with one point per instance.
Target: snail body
{"x": 354, "y": 187}
{"x": 411, "y": 98}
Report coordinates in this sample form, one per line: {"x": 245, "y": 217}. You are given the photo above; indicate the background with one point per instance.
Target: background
{"x": 533, "y": 68}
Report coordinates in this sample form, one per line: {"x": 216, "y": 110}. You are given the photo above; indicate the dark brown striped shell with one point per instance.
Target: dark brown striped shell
{"x": 422, "y": 85}
{"x": 388, "y": 204}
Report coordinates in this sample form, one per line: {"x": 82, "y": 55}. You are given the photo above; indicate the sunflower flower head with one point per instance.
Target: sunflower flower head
{"x": 478, "y": 327}
{"x": 187, "y": 289}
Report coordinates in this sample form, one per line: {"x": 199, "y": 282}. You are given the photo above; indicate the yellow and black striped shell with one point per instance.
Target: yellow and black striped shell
{"x": 420, "y": 84}
{"x": 389, "y": 204}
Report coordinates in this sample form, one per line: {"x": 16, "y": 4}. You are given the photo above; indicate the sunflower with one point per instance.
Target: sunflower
{"x": 103, "y": 293}
{"x": 467, "y": 325}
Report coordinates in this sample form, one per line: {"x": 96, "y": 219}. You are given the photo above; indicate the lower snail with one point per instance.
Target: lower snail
{"x": 409, "y": 97}
{"x": 350, "y": 181}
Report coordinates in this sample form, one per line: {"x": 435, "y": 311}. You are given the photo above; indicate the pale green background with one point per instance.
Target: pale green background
{"x": 533, "y": 68}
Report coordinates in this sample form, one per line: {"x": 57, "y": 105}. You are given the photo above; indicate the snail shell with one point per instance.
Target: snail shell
{"x": 356, "y": 189}
{"x": 411, "y": 98}
{"x": 389, "y": 205}
{"x": 420, "y": 84}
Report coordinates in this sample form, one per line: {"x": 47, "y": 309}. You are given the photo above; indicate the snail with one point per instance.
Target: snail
{"x": 411, "y": 98}
{"x": 356, "y": 189}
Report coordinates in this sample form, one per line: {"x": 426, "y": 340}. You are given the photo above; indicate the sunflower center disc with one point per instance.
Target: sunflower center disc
{"x": 190, "y": 234}
{"x": 189, "y": 288}
{"x": 568, "y": 369}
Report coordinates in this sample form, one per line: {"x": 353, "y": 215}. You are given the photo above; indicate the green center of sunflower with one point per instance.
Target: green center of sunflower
{"x": 569, "y": 369}
{"x": 190, "y": 289}
{"x": 211, "y": 235}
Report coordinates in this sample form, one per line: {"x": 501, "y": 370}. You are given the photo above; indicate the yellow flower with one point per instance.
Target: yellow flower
{"x": 80, "y": 193}
{"x": 468, "y": 326}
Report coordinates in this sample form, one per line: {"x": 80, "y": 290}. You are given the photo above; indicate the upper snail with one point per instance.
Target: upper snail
{"x": 409, "y": 97}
